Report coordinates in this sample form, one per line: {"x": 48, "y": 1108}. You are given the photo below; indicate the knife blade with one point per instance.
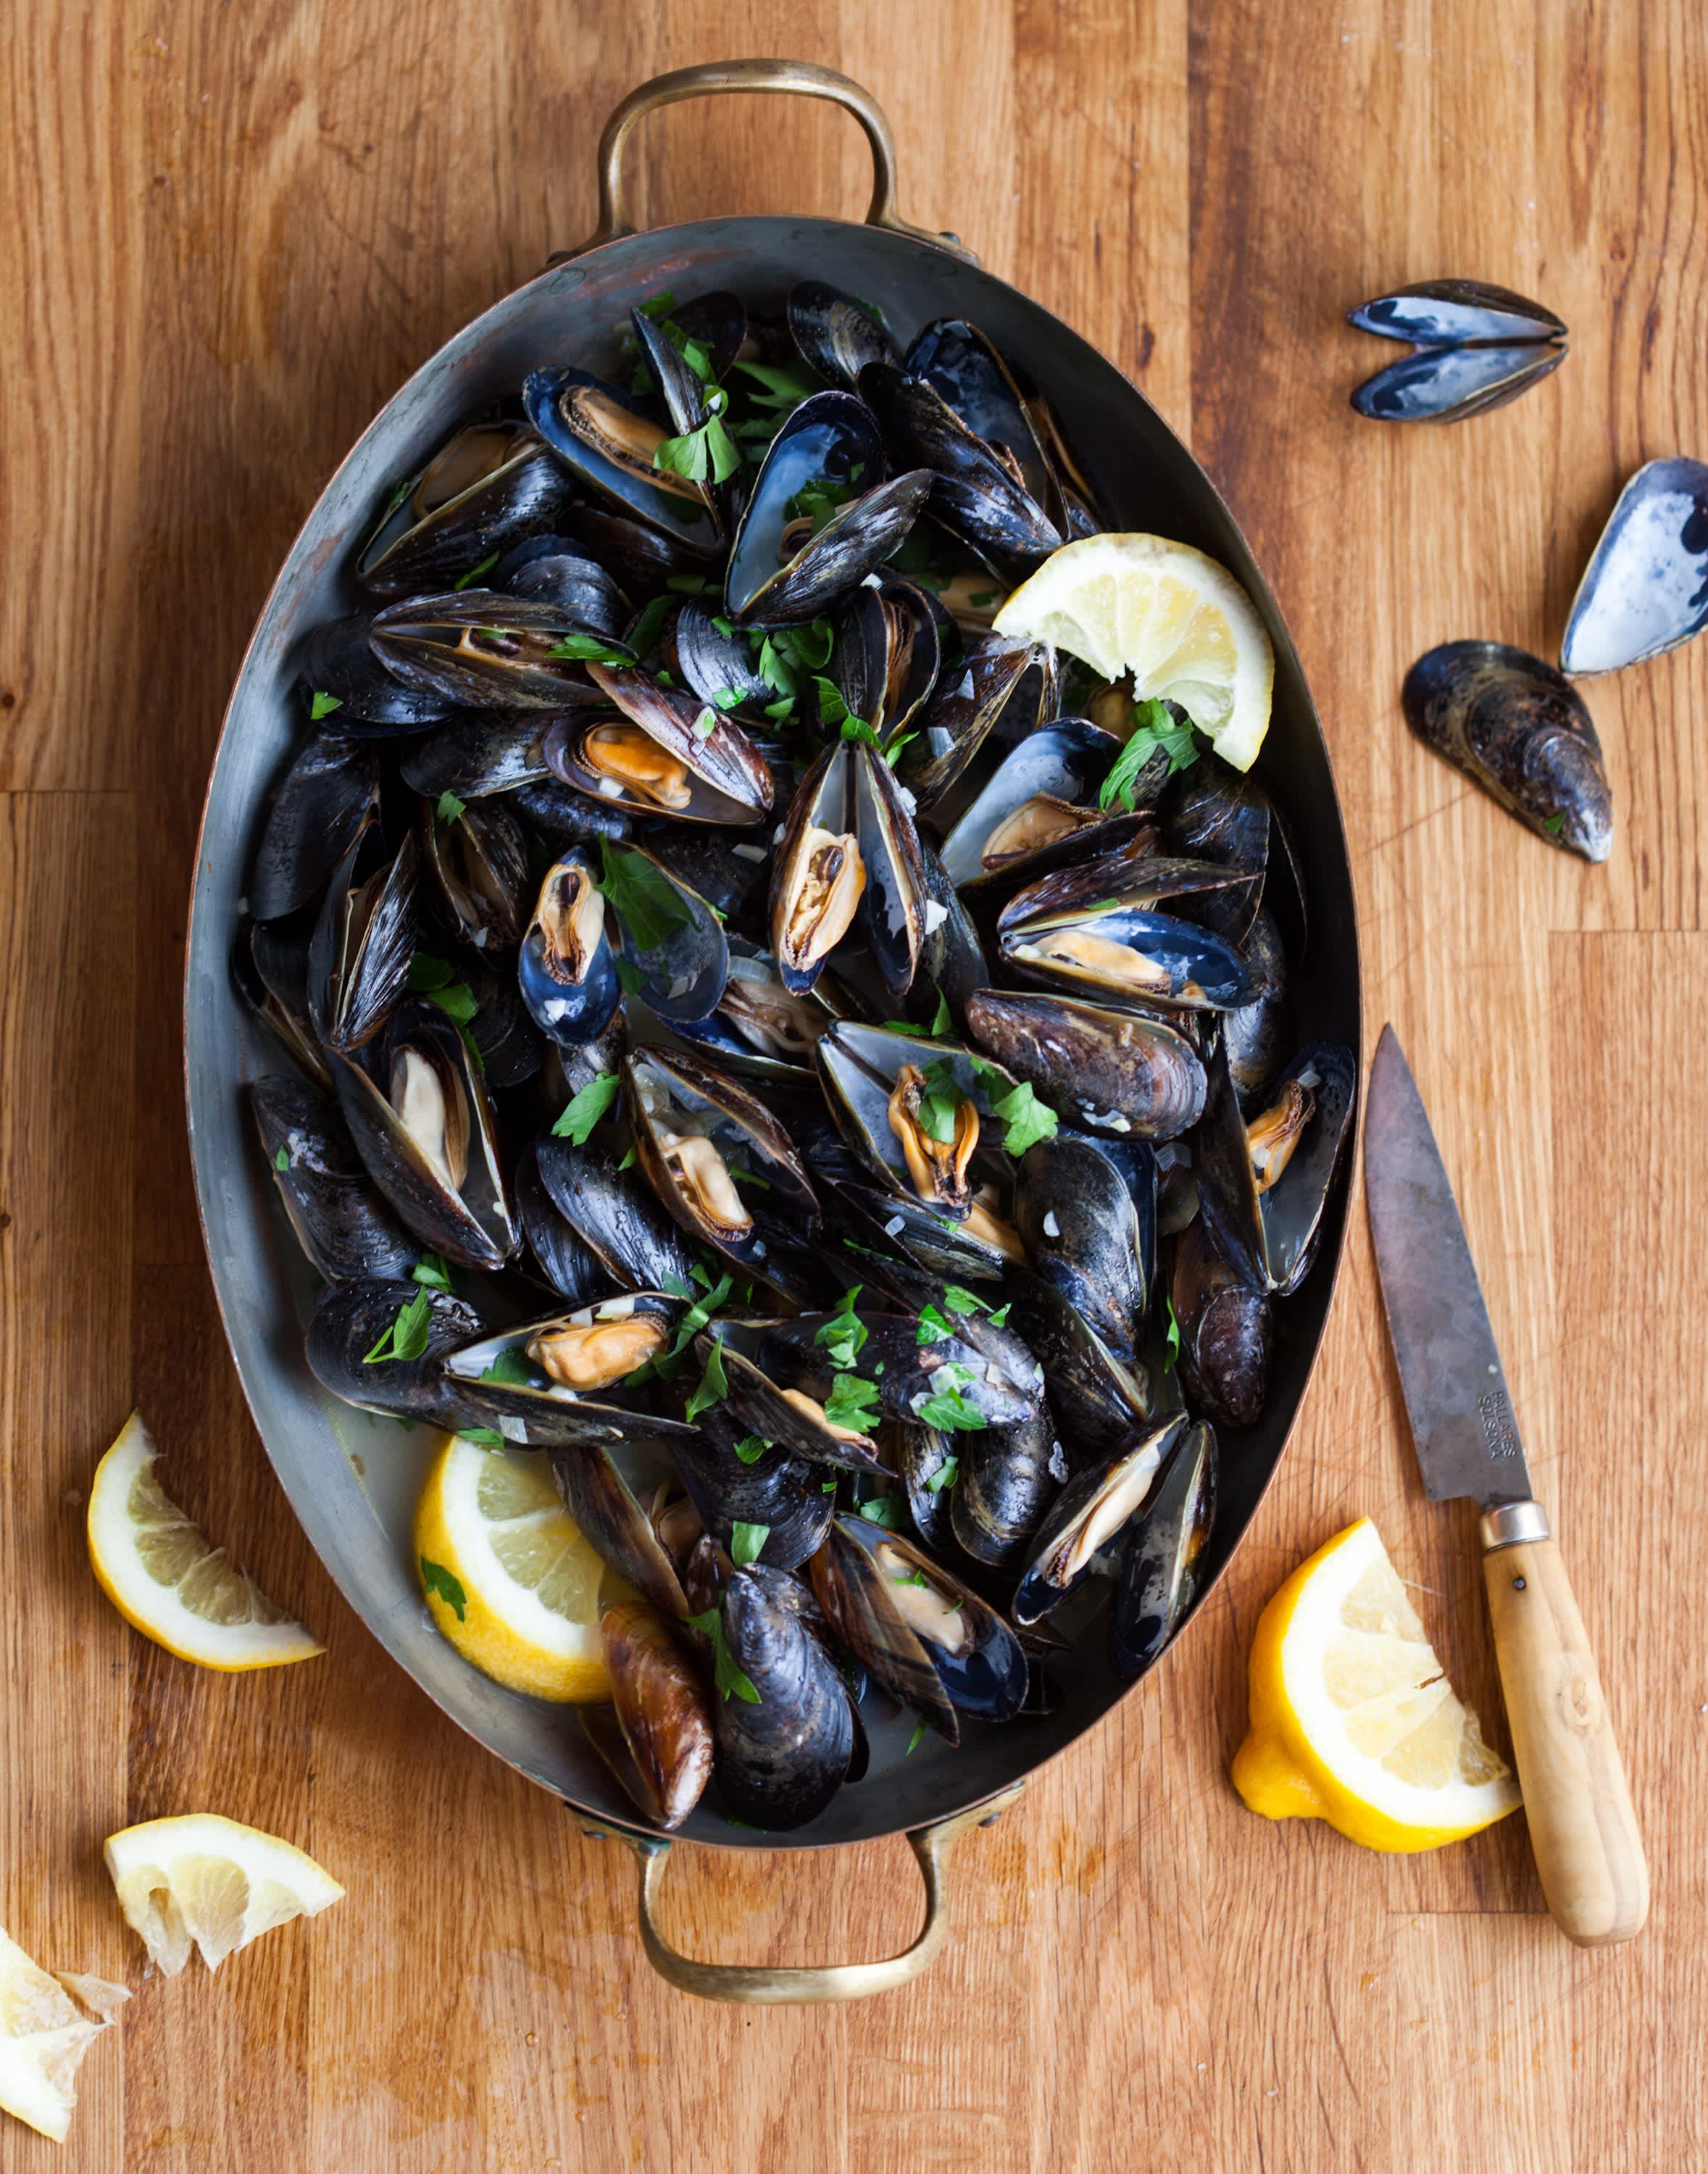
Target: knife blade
{"x": 1456, "y": 1392}
{"x": 1583, "y": 1828}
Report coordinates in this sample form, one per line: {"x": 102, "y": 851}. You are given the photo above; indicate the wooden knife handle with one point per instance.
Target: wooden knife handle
{"x": 1582, "y": 1826}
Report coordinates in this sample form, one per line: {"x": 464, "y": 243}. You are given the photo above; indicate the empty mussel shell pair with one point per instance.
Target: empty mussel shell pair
{"x": 1476, "y": 347}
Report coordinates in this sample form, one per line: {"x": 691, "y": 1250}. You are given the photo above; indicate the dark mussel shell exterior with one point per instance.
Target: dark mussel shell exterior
{"x": 662, "y": 1708}
{"x": 761, "y": 1029}
{"x": 908, "y": 1374}
{"x": 1226, "y": 1330}
{"x": 1520, "y": 729}
{"x": 478, "y": 754}
{"x": 952, "y": 963}
{"x": 973, "y": 493}
{"x": 812, "y": 864}
{"x": 681, "y": 388}
{"x": 1080, "y": 1227}
{"x": 1055, "y": 770}
{"x": 874, "y": 1216}
{"x": 960, "y": 365}
{"x": 1271, "y": 1237}
{"x": 1099, "y": 1400}
{"x": 606, "y": 442}
{"x": 337, "y": 663}
{"x": 340, "y": 1220}
{"x": 471, "y": 1224}
{"x": 509, "y": 1046}
{"x": 484, "y": 649}
{"x": 1455, "y": 313}
{"x": 476, "y": 862}
{"x": 786, "y": 1495}
{"x": 781, "y": 1758}
{"x": 716, "y": 666}
{"x": 1112, "y": 1069}
{"x": 764, "y": 1407}
{"x": 954, "y": 723}
{"x": 572, "y": 1269}
{"x": 364, "y": 940}
{"x": 831, "y": 438}
{"x": 616, "y": 1527}
{"x": 492, "y": 484}
{"x": 551, "y": 569}
{"x": 1162, "y": 1565}
{"x": 1452, "y": 384}
{"x": 679, "y": 970}
{"x": 888, "y": 653}
{"x": 1254, "y": 1035}
{"x": 566, "y": 971}
{"x": 614, "y": 1214}
{"x": 893, "y": 906}
{"x": 354, "y": 1318}
{"x": 329, "y": 792}
{"x": 269, "y": 969}
{"x": 1646, "y": 588}
{"x": 927, "y": 1463}
{"x": 1090, "y": 1513}
{"x": 640, "y": 557}
{"x": 836, "y": 334}
{"x": 1212, "y": 811}
{"x": 1007, "y": 1478}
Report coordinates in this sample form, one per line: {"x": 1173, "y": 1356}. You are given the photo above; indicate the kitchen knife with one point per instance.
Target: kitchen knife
{"x": 1583, "y": 1827}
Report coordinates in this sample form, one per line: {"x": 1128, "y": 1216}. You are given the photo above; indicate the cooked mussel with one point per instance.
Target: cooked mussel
{"x": 1162, "y": 1564}
{"x": 1646, "y": 588}
{"x": 1255, "y": 1034}
{"x": 1004, "y": 1483}
{"x": 269, "y": 968}
{"x": 761, "y": 1029}
{"x": 418, "y": 1113}
{"x": 566, "y": 1381}
{"x": 322, "y": 801}
{"x": 947, "y": 1381}
{"x": 338, "y": 671}
{"x": 735, "y": 1478}
{"x": 1092, "y": 1510}
{"x": 837, "y": 334}
{"x": 1103, "y": 926}
{"x": 616, "y": 1526}
{"x": 676, "y": 955}
{"x": 1477, "y": 347}
{"x": 475, "y": 860}
{"x": 888, "y": 653}
{"x": 572, "y": 1268}
{"x": 492, "y": 484}
{"x": 849, "y": 850}
{"x": 364, "y": 940}
{"x": 359, "y": 1330}
{"x": 1080, "y": 1227}
{"x": 950, "y": 728}
{"x": 613, "y": 1212}
{"x": 661, "y": 1707}
{"x": 665, "y": 754}
{"x": 608, "y": 444}
{"x": 1264, "y": 1184}
{"x": 1226, "y": 1329}
{"x": 1520, "y": 729}
{"x": 965, "y": 370}
{"x": 552, "y": 570}
{"x": 930, "y": 1640}
{"x": 566, "y": 970}
{"x": 341, "y": 1221}
{"x": 476, "y": 753}
{"x": 1114, "y": 1070}
{"x": 491, "y": 651}
{"x": 820, "y": 516}
{"x": 786, "y": 1730}
{"x": 779, "y": 1413}
{"x": 1098, "y": 1399}
{"x": 510, "y": 1046}
{"x": 1041, "y": 797}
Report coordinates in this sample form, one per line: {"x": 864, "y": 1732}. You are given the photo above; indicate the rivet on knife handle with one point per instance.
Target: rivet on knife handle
{"x": 1583, "y": 1828}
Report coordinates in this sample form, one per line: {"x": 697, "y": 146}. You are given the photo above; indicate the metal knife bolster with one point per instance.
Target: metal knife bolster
{"x": 1509, "y": 1524}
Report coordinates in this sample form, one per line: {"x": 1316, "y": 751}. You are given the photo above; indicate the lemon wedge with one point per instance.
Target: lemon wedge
{"x": 508, "y": 1576}
{"x": 158, "y": 1571}
{"x": 1174, "y": 619}
{"x": 1353, "y": 1720}
{"x": 211, "y": 1881}
{"x": 43, "y": 2039}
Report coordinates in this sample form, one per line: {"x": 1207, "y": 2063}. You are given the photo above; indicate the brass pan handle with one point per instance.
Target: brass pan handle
{"x": 711, "y": 78}
{"x": 766, "y": 1985}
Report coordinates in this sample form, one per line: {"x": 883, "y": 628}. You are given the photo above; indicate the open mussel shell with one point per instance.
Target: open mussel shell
{"x": 1007, "y": 1477}
{"x": 478, "y": 754}
{"x": 476, "y": 863}
{"x": 876, "y": 1216}
{"x": 1110, "y": 1069}
{"x": 928, "y": 1464}
{"x": 762, "y": 1030}
{"x": 574, "y": 1271}
{"x": 1452, "y": 384}
{"x": 1080, "y": 1228}
{"x": 1041, "y": 795}
{"x": 564, "y": 1380}
{"x": 552, "y": 570}
{"x": 337, "y": 662}
{"x": 492, "y": 484}
{"x": 820, "y": 875}
{"x": 952, "y": 963}
{"x": 269, "y": 969}
{"x": 1455, "y": 313}
{"x": 888, "y": 651}
{"x": 607, "y": 442}
{"x": 321, "y": 803}
{"x": 1264, "y": 1186}
{"x": 614, "y": 1214}
{"x": 698, "y": 746}
{"x": 614, "y": 1525}
{"x": 1226, "y": 1330}
{"x": 353, "y": 1319}
{"x": 566, "y": 971}
{"x": 974, "y": 492}
{"x": 779, "y": 1412}
{"x": 1092, "y": 1510}
{"x": 766, "y": 1487}
{"x": 641, "y": 558}
{"x": 676, "y": 955}
{"x": 836, "y": 334}
{"x": 487, "y": 651}
{"x": 1212, "y": 811}
{"x": 364, "y": 940}
{"x": 680, "y": 386}
{"x": 1162, "y": 1564}
{"x": 660, "y": 1706}
{"x": 1099, "y": 1400}
{"x": 965, "y": 370}
{"x": 341, "y": 1221}
{"x": 1103, "y": 927}
{"x": 928, "y": 1640}
{"x": 1646, "y": 587}
{"x": 1520, "y": 729}
{"x": 781, "y": 572}
{"x": 418, "y": 1110}
{"x": 783, "y": 1754}
{"x": 723, "y": 1166}
{"x": 954, "y": 725}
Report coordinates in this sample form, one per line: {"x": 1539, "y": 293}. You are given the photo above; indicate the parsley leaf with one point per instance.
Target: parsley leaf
{"x": 708, "y": 454}
{"x": 1153, "y": 727}
{"x": 585, "y": 1108}
{"x": 407, "y": 1337}
{"x": 778, "y": 389}
{"x": 914, "y": 1740}
{"x": 436, "y": 1579}
{"x": 726, "y": 1675}
{"x": 851, "y": 1403}
{"x": 322, "y": 706}
{"x": 745, "y": 1542}
{"x": 510, "y": 1369}
{"x": 644, "y": 898}
{"x": 589, "y": 649}
{"x": 1174, "y": 1338}
{"x": 844, "y": 1333}
{"x": 644, "y": 633}
{"x": 450, "y": 808}
{"x": 945, "y": 1408}
{"x": 884, "y": 1509}
{"x": 714, "y": 1385}
{"x": 282, "y": 1160}
{"x": 482, "y": 1437}
{"x": 932, "y": 1327}
{"x": 432, "y": 1271}
{"x": 941, "y": 1023}
{"x": 946, "y": 1474}
{"x": 1027, "y": 1119}
{"x": 752, "y": 1447}
{"x": 1553, "y": 824}
{"x": 833, "y": 710}
{"x": 482, "y": 566}
{"x": 939, "y": 1098}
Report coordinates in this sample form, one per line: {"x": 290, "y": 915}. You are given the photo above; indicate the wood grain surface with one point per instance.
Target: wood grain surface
{"x": 228, "y": 234}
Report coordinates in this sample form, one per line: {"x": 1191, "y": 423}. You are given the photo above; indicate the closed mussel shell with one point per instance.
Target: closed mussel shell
{"x": 1099, "y": 1400}
{"x": 717, "y": 666}
{"x": 321, "y": 802}
{"x": 269, "y": 969}
{"x": 364, "y": 940}
{"x": 1108, "y": 1067}
{"x": 491, "y": 651}
{"x": 675, "y": 952}
{"x": 1226, "y": 1330}
{"x": 478, "y": 753}
{"x": 836, "y": 334}
{"x": 766, "y": 1487}
{"x": 566, "y": 971}
{"x": 351, "y": 1340}
{"x": 606, "y": 442}
{"x": 927, "y": 1462}
{"x": 614, "y": 1214}
{"x": 572, "y": 1269}
{"x": 337, "y": 665}
{"x": 1006, "y": 1478}
{"x": 952, "y": 726}
{"x": 662, "y": 1708}
{"x": 965, "y": 370}
{"x": 783, "y": 1753}
{"x": 341, "y": 1221}
{"x": 1161, "y": 1566}
{"x": 553, "y": 570}
{"x": 1080, "y": 1228}
{"x": 493, "y": 484}
{"x": 511, "y": 1047}
{"x": 1094, "y": 1507}
{"x": 1255, "y": 1035}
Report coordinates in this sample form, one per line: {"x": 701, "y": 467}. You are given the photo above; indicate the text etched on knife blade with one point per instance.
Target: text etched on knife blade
{"x": 1500, "y": 1435}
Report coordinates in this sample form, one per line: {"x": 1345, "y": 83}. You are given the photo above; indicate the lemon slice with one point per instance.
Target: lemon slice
{"x": 43, "y": 2039}
{"x": 159, "y": 1572}
{"x": 1176, "y": 620}
{"x": 1352, "y": 1718}
{"x": 212, "y": 1881}
{"x": 508, "y": 1576}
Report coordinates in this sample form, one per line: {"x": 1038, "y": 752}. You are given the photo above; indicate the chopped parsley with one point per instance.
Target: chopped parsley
{"x": 407, "y": 1337}
{"x": 450, "y": 808}
{"x": 713, "y": 1387}
{"x": 433, "y": 1272}
{"x": 436, "y": 1579}
{"x": 726, "y": 1675}
{"x": 1153, "y": 727}
{"x": 1174, "y": 1338}
{"x": 844, "y": 1333}
{"x": 852, "y": 1403}
{"x": 645, "y": 900}
{"x": 322, "y": 706}
{"x": 586, "y": 1107}
{"x": 745, "y": 1542}
{"x": 282, "y": 1160}
{"x": 481, "y": 566}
